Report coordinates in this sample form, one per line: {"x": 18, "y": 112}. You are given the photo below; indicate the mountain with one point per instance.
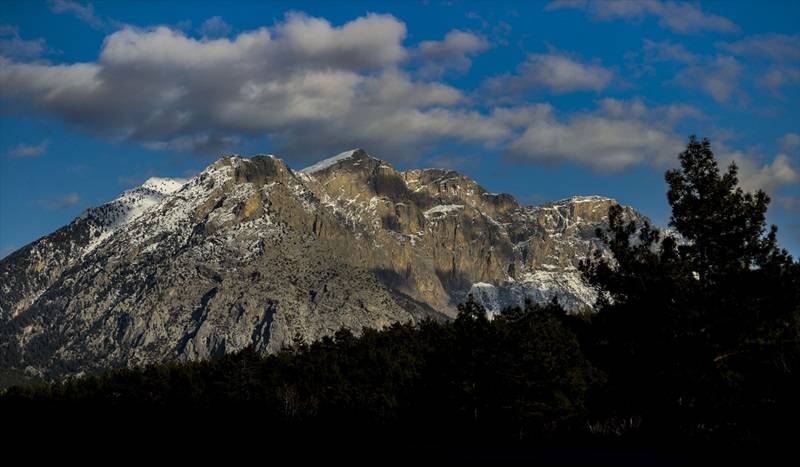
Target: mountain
{"x": 251, "y": 252}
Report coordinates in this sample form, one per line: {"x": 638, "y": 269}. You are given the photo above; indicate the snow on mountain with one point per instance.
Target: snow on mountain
{"x": 540, "y": 286}
{"x": 250, "y": 252}
{"x": 326, "y": 163}
{"x": 443, "y": 209}
{"x": 163, "y": 185}
{"x": 106, "y": 219}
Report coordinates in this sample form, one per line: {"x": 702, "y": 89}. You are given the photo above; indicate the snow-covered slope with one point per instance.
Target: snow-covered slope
{"x": 329, "y": 162}
{"x": 132, "y": 204}
{"x": 27, "y": 273}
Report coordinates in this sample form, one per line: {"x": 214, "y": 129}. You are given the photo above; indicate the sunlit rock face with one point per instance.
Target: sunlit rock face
{"x": 251, "y": 252}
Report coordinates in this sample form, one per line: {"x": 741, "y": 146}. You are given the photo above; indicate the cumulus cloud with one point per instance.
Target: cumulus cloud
{"x": 755, "y": 175}
{"x": 454, "y": 52}
{"x": 680, "y": 17}
{"x": 777, "y": 173}
{"x": 598, "y": 142}
{"x": 308, "y": 85}
{"x": 29, "y": 150}
{"x": 371, "y": 40}
{"x": 298, "y": 82}
{"x": 556, "y": 72}
{"x": 617, "y": 135}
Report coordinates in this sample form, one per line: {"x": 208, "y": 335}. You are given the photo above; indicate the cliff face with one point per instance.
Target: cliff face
{"x": 250, "y": 252}
{"x": 436, "y": 235}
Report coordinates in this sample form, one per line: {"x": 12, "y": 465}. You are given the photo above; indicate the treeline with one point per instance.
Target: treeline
{"x": 695, "y": 340}
{"x": 520, "y": 375}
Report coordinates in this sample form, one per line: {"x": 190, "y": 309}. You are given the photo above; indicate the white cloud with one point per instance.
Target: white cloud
{"x": 598, "y": 142}
{"x": 680, "y": 17}
{"x": 667, "y": 115}
{"x": 755, "y": 175}
{"x": 719, "y": 77}
{"x": 782, "y": 51}
{"x": 29, "y": 150}
{"x": 306, "y": 84}
{"x": 369, "y": 41}
{"x": 618, "y": 135}
{"x": 453, "y": 52}
{"x": 778, "y": 173}
{"x": 778, "y": 47}
{"x": 554, "y": 71}
{"x": 757, "y": 172}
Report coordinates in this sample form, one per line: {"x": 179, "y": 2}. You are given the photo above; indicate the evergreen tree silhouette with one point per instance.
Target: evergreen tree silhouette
{"x": 698, "y": 328}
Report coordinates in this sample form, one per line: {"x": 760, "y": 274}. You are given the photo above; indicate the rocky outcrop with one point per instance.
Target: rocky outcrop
{"x": 250, "y": 252}
{"x": 435, "y": 233}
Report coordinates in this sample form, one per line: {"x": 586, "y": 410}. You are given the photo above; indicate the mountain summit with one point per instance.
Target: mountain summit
{"x": 251, "y": 252}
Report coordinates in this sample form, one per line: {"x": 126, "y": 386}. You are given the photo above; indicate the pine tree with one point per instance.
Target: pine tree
{"x": 701, "y": 323}
{"x": 724, "y": 226}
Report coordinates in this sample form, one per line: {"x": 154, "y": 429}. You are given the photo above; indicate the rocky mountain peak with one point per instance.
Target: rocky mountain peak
{"x": 578, "y": 212}
{"x": 347, "y": 159}
{"x": 256, "y": 170}
{"x": 250, "y": 252}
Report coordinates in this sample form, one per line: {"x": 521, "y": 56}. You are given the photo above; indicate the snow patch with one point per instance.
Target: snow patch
{"x": 582, "y": 199}
{"x": 164, "y": 185}
{"x": 540, "y": 286}
{"x": 106, "y": 219}
{"x": 488, "y": 296}
{"x": 443, "y": 209}
{"x": 324, "y": 164}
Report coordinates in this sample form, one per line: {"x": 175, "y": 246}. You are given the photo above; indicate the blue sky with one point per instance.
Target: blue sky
{"x": 543, "y": 100}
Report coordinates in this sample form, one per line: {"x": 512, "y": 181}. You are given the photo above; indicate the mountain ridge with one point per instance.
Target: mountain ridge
{"x": 251, "y": 252}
